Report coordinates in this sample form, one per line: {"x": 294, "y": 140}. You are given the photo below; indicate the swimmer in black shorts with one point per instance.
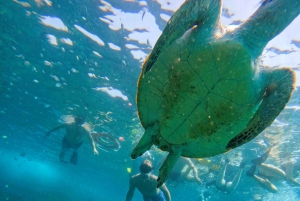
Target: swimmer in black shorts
{"x": 73, "y": 139}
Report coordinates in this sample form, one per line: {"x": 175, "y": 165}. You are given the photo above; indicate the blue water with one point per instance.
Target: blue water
{"x": 41, "y": 83}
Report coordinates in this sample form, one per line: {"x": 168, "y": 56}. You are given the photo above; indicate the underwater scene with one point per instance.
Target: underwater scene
{"x": 152, "y": 100}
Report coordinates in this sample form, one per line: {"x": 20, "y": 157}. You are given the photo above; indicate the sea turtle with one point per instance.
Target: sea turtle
{"x": 202, "y": 91}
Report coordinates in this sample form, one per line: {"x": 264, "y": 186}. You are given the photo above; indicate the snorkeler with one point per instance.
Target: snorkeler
{"x": 146, "y": 183}
{"x": 73, "y": 139}
{"x": 268, "y": 171}
{"x": 224, "y": 186}
{"x": 265, "y": 170}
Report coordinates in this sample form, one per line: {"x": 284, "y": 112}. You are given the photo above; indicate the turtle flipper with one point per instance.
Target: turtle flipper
{"x": 271, "y": 18}
{"x": 168, "y": 164}
{"x": 145, "y": 142}
{"x": 278, "y": 92}
{"x": 201, "y": 13}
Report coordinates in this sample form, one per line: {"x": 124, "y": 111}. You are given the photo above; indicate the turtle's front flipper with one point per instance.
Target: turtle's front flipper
{"x": 168, "y": 164}
{"x": 279, "y": 89}
{"x": 271, "y": 18}
{"x": 201, "y": 13}
{"x": 145, "y": 142}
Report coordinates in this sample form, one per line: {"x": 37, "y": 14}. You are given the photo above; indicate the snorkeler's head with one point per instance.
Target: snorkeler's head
{"x": 79, "y": 120}
{"x": 146, "y": 166}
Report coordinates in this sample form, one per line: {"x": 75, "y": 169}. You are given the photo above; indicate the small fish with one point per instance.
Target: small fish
{"x": 148, "y": 43}
{"x": 144, "y": 12}
{"x": 122, "y": 27}
{"x": 129, "y": 170}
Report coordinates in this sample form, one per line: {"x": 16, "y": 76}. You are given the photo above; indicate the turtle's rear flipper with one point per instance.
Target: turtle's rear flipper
{"x": 168, "y": 164}
{"x": 145, "y": 142}
{"x": 261, "y": 159}
{"x": 280, "y": 84}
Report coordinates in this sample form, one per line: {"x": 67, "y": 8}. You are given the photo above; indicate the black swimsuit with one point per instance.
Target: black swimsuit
{"x": 66, "y": 144}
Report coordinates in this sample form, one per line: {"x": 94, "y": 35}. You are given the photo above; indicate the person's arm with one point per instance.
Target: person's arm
{"x": 56, "y": 128}
{"x": 130, "y": 192}
{"x": 93, "y": 143}
{"x": 166, "y": 192}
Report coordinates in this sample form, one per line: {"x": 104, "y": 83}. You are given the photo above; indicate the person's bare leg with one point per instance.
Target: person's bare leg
{"x": 74, "y": 157}
{"x": 220, "y": 182}
{"x": 184, "y": 174}
{"x": 230, "y": 186}
{"x": 62, "y": 154}
{"x": 289, "y": 169}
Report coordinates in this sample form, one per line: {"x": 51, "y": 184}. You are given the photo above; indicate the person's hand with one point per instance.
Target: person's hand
{"x": 96, "y": 152}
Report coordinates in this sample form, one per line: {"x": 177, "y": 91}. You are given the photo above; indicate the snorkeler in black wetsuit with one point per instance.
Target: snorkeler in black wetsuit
{"x": 73, "y": 139}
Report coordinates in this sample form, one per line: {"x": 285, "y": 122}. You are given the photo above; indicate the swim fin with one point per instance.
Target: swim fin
{"x": 250, "y": 172}
{"x": 74, "y": 158}
{"x": 261, "y": 159}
